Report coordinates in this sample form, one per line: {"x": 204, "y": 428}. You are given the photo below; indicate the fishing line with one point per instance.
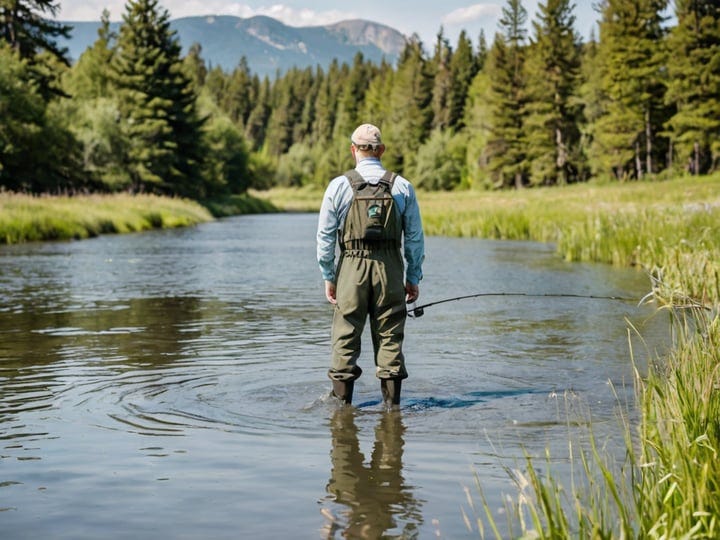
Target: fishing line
{"x": 419, "y": 311}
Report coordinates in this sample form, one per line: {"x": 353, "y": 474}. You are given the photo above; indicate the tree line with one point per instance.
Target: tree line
{"x": 536, "y": 107}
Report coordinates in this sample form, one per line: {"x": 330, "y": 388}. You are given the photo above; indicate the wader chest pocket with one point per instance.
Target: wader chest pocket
{"x": 375, "y": 220}
{"x": 370, "y": 217}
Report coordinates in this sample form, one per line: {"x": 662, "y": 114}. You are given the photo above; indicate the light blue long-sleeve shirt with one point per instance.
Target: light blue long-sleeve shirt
{"x": 334, "y": 209}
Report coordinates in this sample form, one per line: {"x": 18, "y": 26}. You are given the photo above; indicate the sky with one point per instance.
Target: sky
{"x": 423, "y": 17}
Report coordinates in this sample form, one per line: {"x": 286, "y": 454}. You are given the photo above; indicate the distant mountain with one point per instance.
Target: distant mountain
{"x": 269, "y": 45}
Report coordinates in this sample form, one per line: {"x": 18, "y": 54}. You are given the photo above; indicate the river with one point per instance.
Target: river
{"x": 172, "y": 384}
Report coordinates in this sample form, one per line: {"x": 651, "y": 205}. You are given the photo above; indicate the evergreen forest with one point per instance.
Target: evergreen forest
{"x": 533, "y": 106}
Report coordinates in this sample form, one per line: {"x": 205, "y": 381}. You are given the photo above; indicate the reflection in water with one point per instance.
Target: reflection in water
{"x": 377, "y": 502}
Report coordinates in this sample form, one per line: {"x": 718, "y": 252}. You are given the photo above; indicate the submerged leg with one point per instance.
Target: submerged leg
{"x": 390, "y": 389}
{"x": 343, "y": 390}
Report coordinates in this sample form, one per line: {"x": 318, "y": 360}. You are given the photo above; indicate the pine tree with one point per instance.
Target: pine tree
{"x": 157, "y": 104}
{"x": 303, "y": 88}
{"x": 506, "y": 150}
{"x": 236, "y": 99}
{"x": 90, "y": 77}
{"x": 352, "y": 95}
{"x": 375, "y": 108}
{"x": 23, "y": 119}
{"x": 195, "y": 66}
{"x": 288, "y": 98}
{"x": 307, "y": 117}
{"x": 24, "y": 26}
{"x": 256, "y": 125}
{"x": 442, "y": 82}
{"x": 325, "y": 105}
{"x": 408, "y": 122}
{"x": 553, "y": 69}
{"x": 463, "y": 68}
{"x": 482, "y": 52}
{"x": 694, "y": 85}
{"x": 625, "y": 140}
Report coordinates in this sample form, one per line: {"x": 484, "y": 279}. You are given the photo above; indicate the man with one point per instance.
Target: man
{"x": 374, "y": 216}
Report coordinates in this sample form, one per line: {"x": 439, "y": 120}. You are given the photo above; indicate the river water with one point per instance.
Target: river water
{"x": 172, "y": 384}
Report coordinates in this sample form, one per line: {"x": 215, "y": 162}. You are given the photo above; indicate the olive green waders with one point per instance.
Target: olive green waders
{"x": 370, "y": 283}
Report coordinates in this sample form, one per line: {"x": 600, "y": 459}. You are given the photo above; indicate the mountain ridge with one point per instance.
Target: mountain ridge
{"x": 269, "y": 46}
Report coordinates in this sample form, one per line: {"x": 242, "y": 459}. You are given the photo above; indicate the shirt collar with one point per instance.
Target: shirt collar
{"x": 369, "y": 159}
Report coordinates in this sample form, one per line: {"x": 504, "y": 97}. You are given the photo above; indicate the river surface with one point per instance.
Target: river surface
{"x": 172, "y": 384}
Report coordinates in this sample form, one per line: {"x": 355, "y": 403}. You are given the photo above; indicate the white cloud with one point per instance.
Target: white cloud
{"x": 84, "y": 10}
{"x": 472, "y": 14}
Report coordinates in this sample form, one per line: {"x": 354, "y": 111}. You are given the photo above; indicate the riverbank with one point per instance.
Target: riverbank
{"x": 27, "y": 218}
{"x": 669, "y": 487}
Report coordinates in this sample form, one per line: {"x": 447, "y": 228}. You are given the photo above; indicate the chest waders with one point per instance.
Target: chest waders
{"x": 370, "y": 284}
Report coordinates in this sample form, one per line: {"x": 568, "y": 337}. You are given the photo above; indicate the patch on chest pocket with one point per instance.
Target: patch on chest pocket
{"x": 375, "y": 211}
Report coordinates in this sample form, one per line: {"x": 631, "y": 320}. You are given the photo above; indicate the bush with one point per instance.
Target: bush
{"x": 440, "y": 161}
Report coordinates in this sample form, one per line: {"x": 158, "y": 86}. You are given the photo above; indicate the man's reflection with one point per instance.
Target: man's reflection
{"x": 377, "y": 500}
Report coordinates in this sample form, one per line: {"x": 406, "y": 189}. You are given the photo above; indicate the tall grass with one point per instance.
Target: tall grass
{"x": 668, "y": 487}
{"x": 25, "y": 218}
{"x": 678, "y": 488}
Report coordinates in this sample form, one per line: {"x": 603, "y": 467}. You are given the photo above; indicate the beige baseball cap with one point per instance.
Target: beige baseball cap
{"x": 366, "y": 135}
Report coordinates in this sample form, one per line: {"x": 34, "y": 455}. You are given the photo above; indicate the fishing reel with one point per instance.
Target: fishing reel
{"x": 415, "y": 311}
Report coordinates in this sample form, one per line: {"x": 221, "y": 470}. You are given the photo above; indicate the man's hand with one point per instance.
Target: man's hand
{"x": 412, "y": 292}
{"x": 330, "y": 292}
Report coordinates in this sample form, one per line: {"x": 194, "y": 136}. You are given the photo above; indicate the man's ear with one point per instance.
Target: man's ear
{"x": 381, "y": 150}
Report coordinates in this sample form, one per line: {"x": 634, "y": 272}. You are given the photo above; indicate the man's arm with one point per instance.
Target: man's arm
{"x": 414, "y": 239}
{"x": 327, "y": 236}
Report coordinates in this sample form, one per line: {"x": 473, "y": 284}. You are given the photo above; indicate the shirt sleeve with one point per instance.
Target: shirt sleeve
{"x": 327, "y": 235}
{"x": 414, "y": 240}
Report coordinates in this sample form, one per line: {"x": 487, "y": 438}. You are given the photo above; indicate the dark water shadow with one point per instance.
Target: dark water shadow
{"x": 456, "y": 402}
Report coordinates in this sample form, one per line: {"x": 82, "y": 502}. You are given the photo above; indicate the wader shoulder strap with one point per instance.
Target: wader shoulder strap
{"x": 355, "y": 178}
{"x": 389, "y": 178}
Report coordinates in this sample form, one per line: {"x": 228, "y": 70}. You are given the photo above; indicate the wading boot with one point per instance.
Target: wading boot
{"x": 390, "y": 389}
{"x": 343, "y": 390}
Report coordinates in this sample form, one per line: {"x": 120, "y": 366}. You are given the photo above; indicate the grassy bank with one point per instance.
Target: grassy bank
{"x": 26, "y": 218}
{"x": 670, "y": 485}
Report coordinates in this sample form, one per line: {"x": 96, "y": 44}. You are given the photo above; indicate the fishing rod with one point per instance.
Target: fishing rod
{"x": 419, "y": 311}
